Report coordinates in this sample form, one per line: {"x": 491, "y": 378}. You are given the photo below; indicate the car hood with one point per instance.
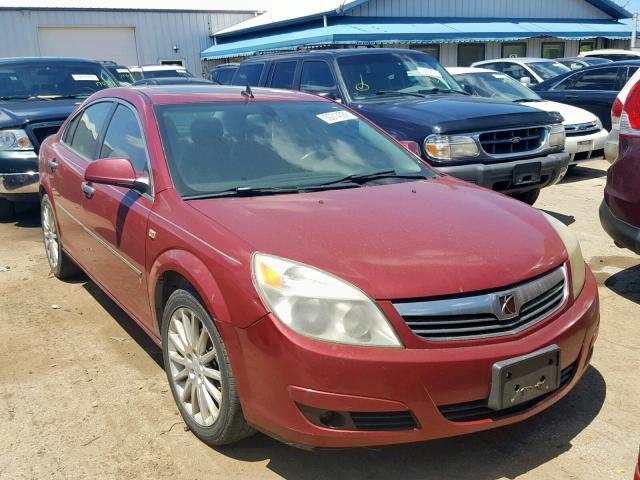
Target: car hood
{"x": 17, "y": 113}
{"x": 406, "y": 240}
{"x": 414, "y": 118}
{"x": 571, "y": 114}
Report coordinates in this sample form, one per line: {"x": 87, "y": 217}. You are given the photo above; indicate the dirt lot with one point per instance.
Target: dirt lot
{"x": 83, "y": 394}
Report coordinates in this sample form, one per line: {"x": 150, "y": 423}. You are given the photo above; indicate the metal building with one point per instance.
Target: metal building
{"x": 457, "y": 32}
{"x": 127, "y": 36}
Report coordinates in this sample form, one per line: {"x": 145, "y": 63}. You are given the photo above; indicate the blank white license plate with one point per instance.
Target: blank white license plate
{"x": 585, "y": 146}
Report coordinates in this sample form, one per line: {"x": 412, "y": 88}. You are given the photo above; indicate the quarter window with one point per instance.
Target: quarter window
{"x": 92, "y": 121}
{"x": 124, "y": 139}
{"x": 282, "y": 76}
{"x": 71, "y": 126}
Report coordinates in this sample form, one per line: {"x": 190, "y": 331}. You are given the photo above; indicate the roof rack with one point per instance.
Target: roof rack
{"x": 299, "y": 48}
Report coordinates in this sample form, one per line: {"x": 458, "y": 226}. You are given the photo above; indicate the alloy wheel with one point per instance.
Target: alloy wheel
{"x": 193, "y": 367}
{"x": 50, "y": 233}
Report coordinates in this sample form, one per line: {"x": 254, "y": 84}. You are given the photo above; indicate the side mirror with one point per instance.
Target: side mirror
{"x": 467, "y": 88}
{"x": 330, "y": 94}
{"x": 114, "y": 171}
{"x": 412, "y": 146}
{"x": 526, "y": 81}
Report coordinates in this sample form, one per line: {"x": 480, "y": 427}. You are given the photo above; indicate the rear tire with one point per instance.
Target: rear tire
{"x": 529, "y": 197}
{"x": 199, "y": 372}
{"x": 59, "y": 262}
{"x": 7, "y": 210}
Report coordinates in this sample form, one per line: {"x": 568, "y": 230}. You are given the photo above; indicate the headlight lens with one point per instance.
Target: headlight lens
{"x": 599, "y": 125}
{"x": 450, "y": 147}
{"x": 557, "y": 136}
{"x": 14, "y": 140}
{"x": 318, "y": 305}
{"x": 576, "y": 261}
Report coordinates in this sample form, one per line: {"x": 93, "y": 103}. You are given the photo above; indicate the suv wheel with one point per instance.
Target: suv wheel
{"x": 7, "y": 209}
{"x": 61, "y": 265}
{"x": 199, "y": 373}
{"x": 529, "y": 197}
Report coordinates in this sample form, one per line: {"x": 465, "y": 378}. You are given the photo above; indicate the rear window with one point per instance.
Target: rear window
{"x": 248, "y": 74}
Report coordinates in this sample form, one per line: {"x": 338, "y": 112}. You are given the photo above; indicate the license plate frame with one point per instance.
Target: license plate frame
{"x": 518, "y": 380}
{"x": 526, "y": 173}
{"x": 584, "y": 146}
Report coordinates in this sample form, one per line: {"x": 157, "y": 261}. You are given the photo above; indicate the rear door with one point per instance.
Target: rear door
{"x": 117, "y": 216}
{"x": 283, "y": 74}
{"x": 66, "y": 162}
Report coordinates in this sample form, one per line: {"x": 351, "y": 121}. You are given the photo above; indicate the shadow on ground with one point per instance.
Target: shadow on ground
{"x": 579, "y": 173}
{"x": 626, "y": 283}
{"x": 566, "y": 219}
{"x": 27, "y": 215}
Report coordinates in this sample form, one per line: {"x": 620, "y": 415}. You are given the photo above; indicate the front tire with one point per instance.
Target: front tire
{"x": 7, "y": 210}
{"x": 529, "y": 197}
{"x": 199, "y": 372}
{"x": 61, "y": 265}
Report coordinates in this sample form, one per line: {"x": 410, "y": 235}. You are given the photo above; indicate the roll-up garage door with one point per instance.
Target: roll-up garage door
{"x": 97, "y": 43}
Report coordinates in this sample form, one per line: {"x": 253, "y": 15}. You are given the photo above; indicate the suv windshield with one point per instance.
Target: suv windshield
{"x": 547, "y": 70}
{"x": 122, "y": 74}
{"x": 53, "y": 79}
{"x": 496, "y": 85}
{"x": 373, "y": 74}
{"x": 213, "y": 148}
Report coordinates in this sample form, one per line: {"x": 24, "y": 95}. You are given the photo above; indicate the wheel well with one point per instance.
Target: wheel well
{"x": 168, "y": 283}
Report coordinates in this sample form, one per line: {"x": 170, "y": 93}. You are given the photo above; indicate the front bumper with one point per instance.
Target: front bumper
{"x": 19, "y": 175}
{"x": 624, "y": 234}
{"x": 586, "y": 147}
{"x": 499, "y": 175}
{"x": 279, "y": 372}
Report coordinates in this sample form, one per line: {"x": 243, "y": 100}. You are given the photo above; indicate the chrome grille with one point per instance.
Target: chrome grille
{"x": 485, "y": 315}
{"x": 579, "y": 129}
{"x": 508, "y": 142}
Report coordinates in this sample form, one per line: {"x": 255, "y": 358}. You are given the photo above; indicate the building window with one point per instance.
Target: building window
{"x": 469, "y": 53}
{"x": 433, "y": 50}
{"x": 587, "y": 45}
{"x": 173, "y": 61}
{"x": 552, "y": 49}
{"x": 514, "y": 49}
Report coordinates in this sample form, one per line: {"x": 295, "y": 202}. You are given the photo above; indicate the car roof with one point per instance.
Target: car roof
{"x": 46, "y": 60}
{"x": 517, "y": 60}
{"x": 331, "y": 52}
{"x": 463, "y": 70}
{"x": 155, "y": 68}
{"x": 609, "y": 50}
{"x": 197, "y": 93}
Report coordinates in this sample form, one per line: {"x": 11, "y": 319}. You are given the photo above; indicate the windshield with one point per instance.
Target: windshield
{"x": 53, "y": 79}
{"x": 165, "y": 73}
{"x": 122, "y": 74}
{"x": 495, "y": 85}
{"x": 547, "y": 70}
{"x": 367, "y": 75}
{"x": 215, "y": 147}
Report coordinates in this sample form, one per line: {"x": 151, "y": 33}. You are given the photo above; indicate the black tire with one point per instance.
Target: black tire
{"x": 529, "y": 197}
{"x": 64, "y": 267}
{"x": 230, "y": 425}
{"x": 7, "y": 210}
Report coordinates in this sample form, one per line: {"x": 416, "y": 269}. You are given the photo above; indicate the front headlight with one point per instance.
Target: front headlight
{"x": 599, "y": 125}
{"x": 576, "y": 261}
{"x": 318, "y": 305}
{"x": 557, "y": 135}
{"x": 450, "y": 147}
{"x": 14, "y": 140}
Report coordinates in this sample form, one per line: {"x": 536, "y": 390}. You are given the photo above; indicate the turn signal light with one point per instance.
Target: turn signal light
{"x": 630, "y": 117}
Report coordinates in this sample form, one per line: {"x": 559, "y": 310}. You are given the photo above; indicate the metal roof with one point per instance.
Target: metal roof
{"x": 416, "y": 31}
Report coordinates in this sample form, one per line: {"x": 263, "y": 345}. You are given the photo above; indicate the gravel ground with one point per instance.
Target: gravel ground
{"x": 83, "y": 394}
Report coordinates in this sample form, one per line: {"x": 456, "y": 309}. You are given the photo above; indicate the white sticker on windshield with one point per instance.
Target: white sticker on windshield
{"x": 558, "y": 65}
{"x": 79, "y": 77}
{"x": 337, "y": 116}
{"x": 122, "y": 70}
{"x": 499, "y": 75}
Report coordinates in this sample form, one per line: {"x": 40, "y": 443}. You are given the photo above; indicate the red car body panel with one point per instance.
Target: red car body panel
{"x": 622, "y": 193}
{"x": 407, "y": 240}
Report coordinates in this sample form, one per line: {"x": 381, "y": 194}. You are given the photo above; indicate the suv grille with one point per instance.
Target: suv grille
{"x": 508, "y": 142}
{"x": 478, "y": 410}
{"x": 503, "y": 312}
{"x": 579, "y": 129}
{"x": 40, "y": 131}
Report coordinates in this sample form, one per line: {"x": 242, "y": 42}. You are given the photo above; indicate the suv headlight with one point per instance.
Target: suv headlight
{"x": 599, "y": 125}
{"x": 576, "y": 261}
{"x": 450, "y": 147}
{"x": 14, "y": 140}
{"x": 316, "y": 304}
{"x": 557, "y": 135}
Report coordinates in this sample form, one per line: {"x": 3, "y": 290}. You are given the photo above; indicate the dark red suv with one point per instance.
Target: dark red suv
{"x": 308, "y": 276}
{"x": 620, "y": 210}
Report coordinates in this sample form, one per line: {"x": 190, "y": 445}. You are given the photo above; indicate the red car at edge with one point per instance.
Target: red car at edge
{"x": 308, "y": 276}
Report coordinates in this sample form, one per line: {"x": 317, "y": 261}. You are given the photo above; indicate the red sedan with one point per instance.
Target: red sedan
{"x": 309, "y": 277}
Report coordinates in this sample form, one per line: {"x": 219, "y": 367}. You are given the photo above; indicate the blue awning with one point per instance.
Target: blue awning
{"x": 362, "y": 33}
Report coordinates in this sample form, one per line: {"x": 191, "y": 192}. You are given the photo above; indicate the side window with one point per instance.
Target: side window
{"x": 68, "y": 132}
{"x": 124, "y": 139}
{"x": 248, "y": 74}
{"x": 498, "y": 67}
{"x": 225, "y": 75}
{"x": 598, "y": 79}
{"x": 282, "y": 76}
{"x": 515, "y": 71}
{"x": 316, "y": 77}
{"x": 90, "y": 126}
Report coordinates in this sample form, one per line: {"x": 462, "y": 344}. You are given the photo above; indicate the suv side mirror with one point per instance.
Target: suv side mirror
{"x": 526, "y": 81}
{"x": 412, "y": 146}
{"x": 115, "y": 171}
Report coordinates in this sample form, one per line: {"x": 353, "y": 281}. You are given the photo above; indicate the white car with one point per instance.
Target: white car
{"x": 525, "y": 69}
{"x": 156, "y": 71}
{"x": 614, "y": 54}
{"x": 585, "y": 135}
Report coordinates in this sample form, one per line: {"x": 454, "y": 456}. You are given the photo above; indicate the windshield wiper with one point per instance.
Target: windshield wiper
{"x": 398, "y": 92}
{"x": 362, "y": 178}
{"x": 243, "y": 192}
{"x": 523, "y": 100}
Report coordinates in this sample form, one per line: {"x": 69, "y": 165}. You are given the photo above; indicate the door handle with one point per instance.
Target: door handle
{"x": 53, "y": 165}
{"x": 88, "y": 190}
